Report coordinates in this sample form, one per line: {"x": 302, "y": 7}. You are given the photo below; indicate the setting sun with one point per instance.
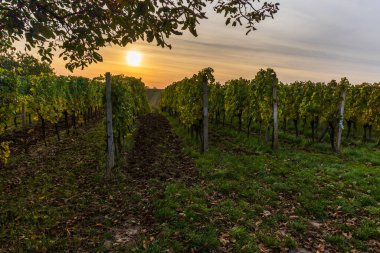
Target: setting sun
{"x": 134, "y": 58}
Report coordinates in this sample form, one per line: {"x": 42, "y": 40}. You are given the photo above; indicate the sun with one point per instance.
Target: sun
{"x": 134, "y": 58}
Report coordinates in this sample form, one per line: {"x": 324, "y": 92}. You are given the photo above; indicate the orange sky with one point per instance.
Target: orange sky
{"x": 307, "y": 40}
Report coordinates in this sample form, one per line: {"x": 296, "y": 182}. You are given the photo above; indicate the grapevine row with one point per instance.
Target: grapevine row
{"x": 48, "y": 98}
{"x": 183, "y": 99}
{"x": 251, "y": 102}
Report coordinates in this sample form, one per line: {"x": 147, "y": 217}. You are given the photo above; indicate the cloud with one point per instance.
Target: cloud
{"x": 316, "y": 40}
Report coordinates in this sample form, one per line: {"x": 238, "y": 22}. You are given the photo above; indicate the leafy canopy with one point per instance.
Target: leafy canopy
{"x": 80, "y": 28}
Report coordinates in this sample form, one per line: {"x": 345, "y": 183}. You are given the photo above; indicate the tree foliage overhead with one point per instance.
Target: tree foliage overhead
{"x": 80, "y": 28}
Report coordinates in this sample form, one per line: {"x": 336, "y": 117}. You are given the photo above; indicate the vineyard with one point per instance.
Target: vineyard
{"x": 63, "y": 103}
{"x": 268, "y": 180}
{"x": 261, "y": 103}
{"x": 290, "y": 166}
{"x": 94, "y": 160}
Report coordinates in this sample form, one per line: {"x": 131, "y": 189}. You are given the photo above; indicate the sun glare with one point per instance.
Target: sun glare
{"x": 134, "y": 58}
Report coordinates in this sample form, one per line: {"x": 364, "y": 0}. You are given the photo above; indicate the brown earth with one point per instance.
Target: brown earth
{"x": 157, "y": 155}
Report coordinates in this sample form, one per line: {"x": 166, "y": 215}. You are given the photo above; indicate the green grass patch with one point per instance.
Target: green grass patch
{"x": 294, "y": 195}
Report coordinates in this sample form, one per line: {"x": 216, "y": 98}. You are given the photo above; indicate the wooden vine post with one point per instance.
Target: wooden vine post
{"x": 23, "y": 110}
{"x": 110, "y": 148}
{"x": 23, "y": 113}
{"x": 341, "y": 115}
{"x": 205, "y": 114}
{"x": 275, "y": 115}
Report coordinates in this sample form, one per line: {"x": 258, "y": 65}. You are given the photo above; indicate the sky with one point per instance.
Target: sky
{"x": 307, "y": 40}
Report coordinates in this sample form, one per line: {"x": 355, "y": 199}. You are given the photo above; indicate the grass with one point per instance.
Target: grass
{"x": 249, "y": 198}
{"x": 55, "y": 199}
{"x": 253, "y": 199}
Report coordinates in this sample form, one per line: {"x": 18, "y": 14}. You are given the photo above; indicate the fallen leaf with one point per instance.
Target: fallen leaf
{"x": 321, "y": 247}
{"x": 145, "y": 244}
{"x": 266, "y": 213}
{"x": 224, "y": 239}
{"x": 347, "y": 235}
{"x": 315, "y": 224}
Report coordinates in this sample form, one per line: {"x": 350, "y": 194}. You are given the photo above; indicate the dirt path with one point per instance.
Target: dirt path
{"x": 157, "y": 157}
{"x": 61, "y": 185}
{"x": 158, "y": 153}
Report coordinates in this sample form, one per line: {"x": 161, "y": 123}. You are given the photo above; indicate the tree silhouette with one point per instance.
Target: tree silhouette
{"x": 80, "y": 28}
